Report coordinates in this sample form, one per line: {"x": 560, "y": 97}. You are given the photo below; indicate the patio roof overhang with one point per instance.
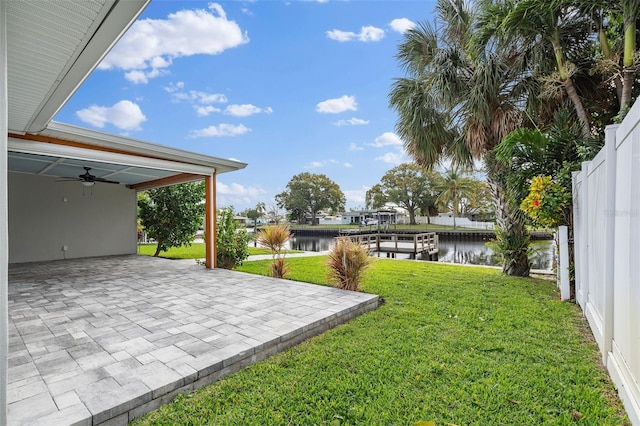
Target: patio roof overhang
{"x": 63, "y": 150}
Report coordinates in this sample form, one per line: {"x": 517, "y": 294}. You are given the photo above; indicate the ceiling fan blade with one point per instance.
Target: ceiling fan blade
{"x": 101, "y": 180}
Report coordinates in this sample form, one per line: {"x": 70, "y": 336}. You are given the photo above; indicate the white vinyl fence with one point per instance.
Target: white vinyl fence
{"x": 606, "y": 199}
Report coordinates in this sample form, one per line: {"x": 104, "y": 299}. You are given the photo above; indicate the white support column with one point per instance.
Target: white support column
{"x": 610, "y": 245}
{"x": 4, "y": 216}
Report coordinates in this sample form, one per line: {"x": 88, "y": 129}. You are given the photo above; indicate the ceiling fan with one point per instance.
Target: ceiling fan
{"x": 88, "y": 179}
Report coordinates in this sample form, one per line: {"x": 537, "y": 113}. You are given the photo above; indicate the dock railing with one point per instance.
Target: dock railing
{"x": 411, "y": 244}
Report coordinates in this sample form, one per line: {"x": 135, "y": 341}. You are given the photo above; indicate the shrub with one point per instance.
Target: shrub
{"x": 275, "y": 238}
{"x": 347, "y": 263}
{"x": 231, "y": 241}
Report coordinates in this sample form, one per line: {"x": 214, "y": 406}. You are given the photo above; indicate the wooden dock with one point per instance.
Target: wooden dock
{"x": 392, "y": 244}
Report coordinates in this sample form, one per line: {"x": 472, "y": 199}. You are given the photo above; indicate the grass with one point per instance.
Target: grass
{"x": 452, "y": 344}
{"x": 194, "y": 251}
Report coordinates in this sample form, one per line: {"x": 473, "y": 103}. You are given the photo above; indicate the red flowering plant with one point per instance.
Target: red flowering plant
{"x": 546, "y": 201}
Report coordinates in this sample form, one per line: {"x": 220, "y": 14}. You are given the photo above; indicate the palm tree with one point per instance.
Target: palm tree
{"x": 453, "y": 186}
{"x": 459, "y": 102}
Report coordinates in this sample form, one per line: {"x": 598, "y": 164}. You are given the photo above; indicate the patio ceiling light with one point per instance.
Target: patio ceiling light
{"x": 88, "y": 183}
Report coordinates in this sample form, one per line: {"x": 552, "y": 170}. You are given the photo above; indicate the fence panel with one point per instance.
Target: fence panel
{"x": 606, "y": 197}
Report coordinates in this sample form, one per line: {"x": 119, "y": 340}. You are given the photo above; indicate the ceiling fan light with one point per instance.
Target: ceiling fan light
{"x": 87, "y": 183}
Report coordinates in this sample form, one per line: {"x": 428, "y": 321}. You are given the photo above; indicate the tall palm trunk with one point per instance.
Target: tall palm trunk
{"x": 629, "y": 67}
{"x": 512, "y": 237}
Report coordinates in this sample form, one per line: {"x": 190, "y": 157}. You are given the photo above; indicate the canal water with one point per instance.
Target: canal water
{"x": 464, "y": 251}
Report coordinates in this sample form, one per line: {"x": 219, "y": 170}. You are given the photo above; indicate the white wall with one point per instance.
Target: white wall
{"x": 45, "y": 215}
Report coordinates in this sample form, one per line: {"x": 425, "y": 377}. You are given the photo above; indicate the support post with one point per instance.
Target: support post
{"x": 563, "y": 240}
{"x": 4, "y": 216}
{"x": 210, "y": 220}
{"x": 610, "y": 244}
{"x": 584, "y": 249}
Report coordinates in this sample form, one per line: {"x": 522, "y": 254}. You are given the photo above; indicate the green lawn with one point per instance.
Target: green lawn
{"x": 452, "y": 344}
{"x": 194, "y": 251}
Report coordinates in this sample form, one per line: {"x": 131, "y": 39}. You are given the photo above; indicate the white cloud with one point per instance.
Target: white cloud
{"x": 348, "y": 165}
{"x": 356, "y": 197}
{"x": 237, "y": 189}
{"x": 149, "y": 46}
{"x": 201, "y": 101}
{"x": 237, "y": 195}
{"x": 316, "y": 164}
{"x": 354, "y": 147}
{"x": 220, "y": 131}
{"x": 387, "y": 139}
{"x": 124, "y": 115}
{"x": 351, "y": 122}
{"x": 367, "y": 33}
{"x": 205, "y": 110}
{"x": 337, "y": 105}
{"x": 246, "y": 110}
{"x": 200, "y": 97}
{"x": 174, "y": 87}
{"x": 394, "y": 158}
{"x": 402, "y": 25}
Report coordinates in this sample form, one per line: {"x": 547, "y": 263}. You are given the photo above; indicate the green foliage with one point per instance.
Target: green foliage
{"x": 275, "y": 238}
{"x": 452, "y": 344}
{"x": 453, "y": 186}
{"x": 411, "y": 187}
{"x": 375, "y": 197}
{"x": 252, "y": 214}
{"x": 546, "y": 201}
{"x": 347, "y": 262}
{"x": 309, "y": 193}
{"x": 231, "y": 240}
{"x": 172, "y": 215}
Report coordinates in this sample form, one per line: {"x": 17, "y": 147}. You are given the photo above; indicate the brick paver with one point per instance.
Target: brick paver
{"x": 108, "y": 339}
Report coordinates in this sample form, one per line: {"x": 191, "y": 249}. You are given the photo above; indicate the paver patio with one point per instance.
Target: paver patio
{"x": 104, "y": 340}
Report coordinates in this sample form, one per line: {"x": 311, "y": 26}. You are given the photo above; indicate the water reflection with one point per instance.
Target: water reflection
{"x": 473, "y": 252}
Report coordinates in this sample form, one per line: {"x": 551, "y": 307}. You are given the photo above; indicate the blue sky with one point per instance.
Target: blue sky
{"x": 285, "y": 86}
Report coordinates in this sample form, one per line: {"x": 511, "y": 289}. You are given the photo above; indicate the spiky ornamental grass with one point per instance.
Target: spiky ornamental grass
{"x": 275, "y": 238}
{"x": 347, "y": 262}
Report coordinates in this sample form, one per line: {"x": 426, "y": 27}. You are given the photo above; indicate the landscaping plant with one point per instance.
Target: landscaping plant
{"x": 275, "y": 238}
{"x": 347, "y": 262}
{"x": 231, "y": 240}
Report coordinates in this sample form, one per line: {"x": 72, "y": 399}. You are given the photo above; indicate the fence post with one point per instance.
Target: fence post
{"x": 610, "y": 228}
{"x": 563, "y": 239}
{"x": 577, "y": 233}
{"x": 584, "y": 226}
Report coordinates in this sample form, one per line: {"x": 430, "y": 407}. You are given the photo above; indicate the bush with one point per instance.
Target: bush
{"x": 231, "y": 241}
{"x": 275, "y": 237}
{"x": 347, "y": 262}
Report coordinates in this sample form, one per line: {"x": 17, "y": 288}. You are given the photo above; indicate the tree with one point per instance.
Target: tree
{"x": 172, "y": 215}
{"x": 408, "y": 186}
{"x": 231, "y": 240}
{"x": 375, "y": 197}
{"x": 458, "y": 101}
{"x": 453, "y": 186}
{"x": 252, "y": 214}
{"x": 308, "y": 193}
